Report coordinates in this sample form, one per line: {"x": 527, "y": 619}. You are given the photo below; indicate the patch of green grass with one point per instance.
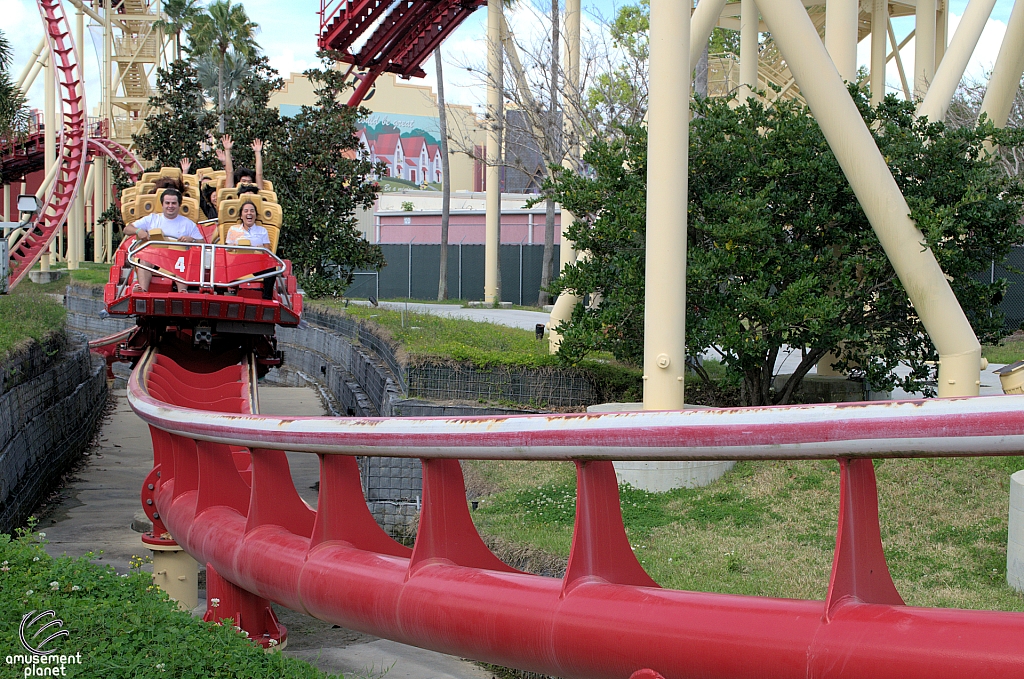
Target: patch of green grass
{"x": 25, "y": 314}
{"x": 123, "y": 626}
{"x": 482, "y": 344}
{"x": 1006, "y": 352}
{"x": 768, "y": 528}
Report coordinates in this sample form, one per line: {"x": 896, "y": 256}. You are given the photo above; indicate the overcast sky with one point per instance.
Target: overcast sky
{"x": 288, "y": 37}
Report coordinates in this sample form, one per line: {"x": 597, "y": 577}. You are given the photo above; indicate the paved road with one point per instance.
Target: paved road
{"x": 97, "y": 509}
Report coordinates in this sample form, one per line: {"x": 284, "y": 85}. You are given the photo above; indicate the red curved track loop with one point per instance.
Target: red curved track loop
{"x": 119, "y": 154}
{"x": 221, "y": 486}
{"x": 404, "y": 34}
{"x": 71, "y": 145}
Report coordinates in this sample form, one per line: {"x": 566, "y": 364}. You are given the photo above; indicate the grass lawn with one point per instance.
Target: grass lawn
{"x": 484, "y": 344}
{"x": 29, "y": 311}
{"x": 768, "y": 528}
{"x": 1009, "y": 350}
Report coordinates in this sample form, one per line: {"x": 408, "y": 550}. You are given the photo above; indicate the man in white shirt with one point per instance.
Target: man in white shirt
{"x": 172, "y": 224}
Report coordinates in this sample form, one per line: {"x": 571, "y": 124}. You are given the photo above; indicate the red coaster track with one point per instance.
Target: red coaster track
{"x": 404, "y": 33}
{"x": 221, "y": 486}
{"x": 73, "y": 146}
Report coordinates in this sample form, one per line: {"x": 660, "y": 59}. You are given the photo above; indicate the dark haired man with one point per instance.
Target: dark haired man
{"x": 172, "y": 224}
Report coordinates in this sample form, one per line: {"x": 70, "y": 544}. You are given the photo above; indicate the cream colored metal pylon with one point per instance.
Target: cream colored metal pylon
{"x": 667, "y": 152}
{"x": 492, "y": 286}
{"x": 136, "y": 46}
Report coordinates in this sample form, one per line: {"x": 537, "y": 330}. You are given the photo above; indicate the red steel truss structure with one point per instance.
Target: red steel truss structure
{"x": 399, "y": 35}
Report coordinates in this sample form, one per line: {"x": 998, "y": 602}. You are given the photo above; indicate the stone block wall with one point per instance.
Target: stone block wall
{"x": 51, "y": 398}
{"x": 85, "y": 312}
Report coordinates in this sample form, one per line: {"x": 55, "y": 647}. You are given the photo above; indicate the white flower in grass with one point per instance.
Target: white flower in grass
{"x": 214, "y": 602}
{"x": 35, "y": 558}
{"x": 28, "y": 593}
{"x": 273, "y": 642}
{"x": 75, "y": 588}
{"x": 160, "y": 666}
{"x": 54, "y": 585}
{"x": 42, "y": 535}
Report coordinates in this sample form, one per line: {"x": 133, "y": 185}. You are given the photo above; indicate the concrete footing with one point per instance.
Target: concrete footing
{"x": 662, "y": 476}
{"x": 176, "y": 573}
{"x": 45, "y": 276}
{"x": 1015, "y": 537}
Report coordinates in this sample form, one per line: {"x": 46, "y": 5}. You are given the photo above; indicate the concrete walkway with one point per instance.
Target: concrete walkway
{"x": 98, "y": 511}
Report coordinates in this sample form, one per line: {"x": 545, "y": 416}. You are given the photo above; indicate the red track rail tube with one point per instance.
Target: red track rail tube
{"x": 606, "y": 618}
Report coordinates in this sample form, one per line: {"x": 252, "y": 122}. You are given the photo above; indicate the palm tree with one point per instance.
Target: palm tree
{"x": 180, "y": 15}
{"x": 221, "y": 28}
{"x": 446, "y": 185}
{"x": 13, "y": 107}
{"x": 236, "y": 70}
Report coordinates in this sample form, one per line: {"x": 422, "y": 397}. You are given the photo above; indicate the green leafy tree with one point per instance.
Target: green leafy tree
{"x": 780, "y": 253}
{"x": 182, "y": 128}
{"x": 223, "y": 27}
{"x": 321, "y": 178}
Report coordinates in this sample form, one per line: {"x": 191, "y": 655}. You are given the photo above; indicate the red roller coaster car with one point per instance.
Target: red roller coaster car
{"x": 236, "y": 292}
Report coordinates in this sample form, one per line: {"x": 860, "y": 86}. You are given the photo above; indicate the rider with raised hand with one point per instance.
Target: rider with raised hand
{"x": 171, "y": 223}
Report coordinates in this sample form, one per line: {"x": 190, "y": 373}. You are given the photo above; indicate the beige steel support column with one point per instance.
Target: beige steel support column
{"x": 98, "y": 239}
{"x": 924, "y": 47}
{"x": 841, "y": 36}
{"x": 492, "y": 286}
{"x": 35, "y": 62}
{"x": 49, "y": 138}
{"x": 749, "y": 54}
{"x": 176, "y": 573}
{"x": 566, "y": 252}
{"x": 76, "y": 225}
{"x": 108, "y": 199}
{"x": 566, "y": 302}
{"x": 899, "y": 63}
{"x": 107, "y": 78}
{"x": 880, "y": 197}
{"x": 879, "y": 31}
{"x": 667, "y": 152}
{"x": 703, "y": 21}
{"x": 1008, "y": 69}
{"x": 941, "y": 30}
{"x": 951, "y": 70}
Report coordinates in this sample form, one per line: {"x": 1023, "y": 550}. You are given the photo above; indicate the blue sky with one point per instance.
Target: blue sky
{"x": 288, "y": 36}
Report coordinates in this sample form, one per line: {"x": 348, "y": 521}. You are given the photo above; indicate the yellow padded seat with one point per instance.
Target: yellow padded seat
{"x": 267, "y": 213}
{"x": 149, "y": 177}
{"x": 150, "y": 203}
{"x": 273, "y": 232}
{"x": 226, "y": 194}
{"x": 268, "y": 186}
{"x": 268, "y": 196}
{"x": 170, "y": 171}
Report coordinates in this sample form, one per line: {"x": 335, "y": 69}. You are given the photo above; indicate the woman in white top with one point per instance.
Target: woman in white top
{"x": 248, "y": 230}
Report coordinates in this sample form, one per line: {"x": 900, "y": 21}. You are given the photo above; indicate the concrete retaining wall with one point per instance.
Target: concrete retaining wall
{"x": 51, "y": 398}
{"x": 85, "y": 306}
